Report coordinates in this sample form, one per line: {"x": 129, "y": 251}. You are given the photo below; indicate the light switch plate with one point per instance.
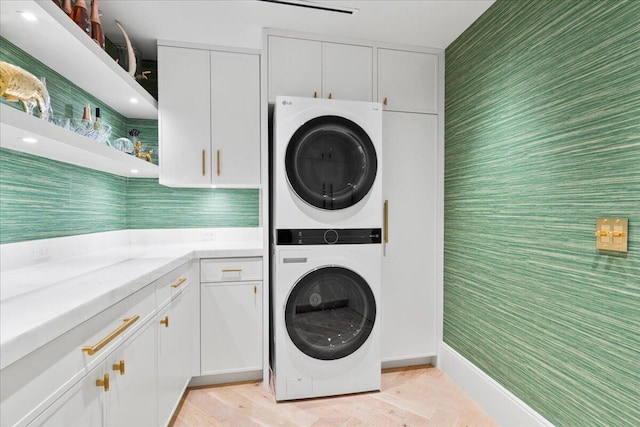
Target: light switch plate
{"x": 612, "y": 234}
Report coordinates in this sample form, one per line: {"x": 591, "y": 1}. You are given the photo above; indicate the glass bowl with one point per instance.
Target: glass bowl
{"x": 60, "y": 121}
{"x": 97, "y": 131}
{"x": 123, "y": 144}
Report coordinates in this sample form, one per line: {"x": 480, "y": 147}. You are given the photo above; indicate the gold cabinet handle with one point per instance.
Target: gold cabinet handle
{"x": 204, "y": 155}
{"x": 384, "y": 102}
{"x": 385, "y": 232}
{"x": 255, "y": 289}
{"x": 218, "y": 161}
{"x": 119, "y": 367}
{"x": 330, "y": 95}
{"x": 165, "y": 321}
{"x": 179, "y": 282}
{"x": 104, "y": 382}
{"x": 91, "y": 350}
{"x": 315, "y": 94}
{"x": 231, "y": 270}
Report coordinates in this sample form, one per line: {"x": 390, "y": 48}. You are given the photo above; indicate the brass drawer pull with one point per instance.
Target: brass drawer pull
{"x": 384, "y": 102}
{"x": 204, "y": 155}
{"x": 119, "y": 366}
{"x": 104, "y": 382}
{"x": 231, "y": 270}
{"x": 91, "y": 350}
{"x": 179, "y": 282}
{"x": 165, "y": 321}
{"x": 218, "y": 161}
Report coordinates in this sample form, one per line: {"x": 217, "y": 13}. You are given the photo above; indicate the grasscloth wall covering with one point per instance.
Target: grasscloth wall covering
{"x": 542, "y": 136}
{"x": 41, "y": 198}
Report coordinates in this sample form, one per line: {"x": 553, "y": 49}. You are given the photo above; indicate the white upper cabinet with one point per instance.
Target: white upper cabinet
{"x": 209, "y": 118}
{"x": 295, "y": 67}
{"x": 408, "y": 81}
{"x": 348, "y": 72}
{"x": 235, "y": 119}
{"x": 185, "y": 109}
{"x": 309, "y": 68}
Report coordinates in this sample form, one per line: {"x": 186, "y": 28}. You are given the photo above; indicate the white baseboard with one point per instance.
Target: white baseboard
{"x": 232, "y": 377}
{"x": 408, "y": 361}
{"x": 502, "y": 405}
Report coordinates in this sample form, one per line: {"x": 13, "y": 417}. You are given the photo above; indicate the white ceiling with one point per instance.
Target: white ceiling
{"x": 429, "y": 23}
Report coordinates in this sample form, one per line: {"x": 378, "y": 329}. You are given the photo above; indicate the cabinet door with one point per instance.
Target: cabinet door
{"x": 184, "y": 116}
{"x": 231, "y": 327}
{"x": 295, "y": 67}
{"x": 348, "y": 72}
{"x": 174, "y": 354}
{"x": 235, "y": 118}
{"x": 408, "y": 81}
{"x": 132, "y": 398}
{"x": 81, "y": 406}
{"x": 409, "y": 258}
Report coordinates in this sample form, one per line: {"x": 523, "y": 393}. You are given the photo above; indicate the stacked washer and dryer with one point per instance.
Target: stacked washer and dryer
{"x": 326, "y": 247}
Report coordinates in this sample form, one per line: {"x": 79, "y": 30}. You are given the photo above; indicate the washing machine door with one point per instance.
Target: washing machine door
{"x": 330, "y": 313}
{"x": 331, "y": 162}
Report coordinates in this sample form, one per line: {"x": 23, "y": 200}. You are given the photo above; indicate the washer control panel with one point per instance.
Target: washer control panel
{"x": 321, "y": 236}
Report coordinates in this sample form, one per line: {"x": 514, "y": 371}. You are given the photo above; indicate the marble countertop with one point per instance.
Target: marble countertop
{"x": 39, "y": 303}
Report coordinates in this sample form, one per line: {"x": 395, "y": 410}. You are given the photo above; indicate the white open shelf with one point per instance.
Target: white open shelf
{"x": 58, "y": 42}
{"x": 60, "y": 144}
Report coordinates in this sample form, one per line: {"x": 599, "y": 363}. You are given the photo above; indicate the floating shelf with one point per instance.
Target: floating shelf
{"x": 56, "y": 143}
{"x": 58, "y": 42}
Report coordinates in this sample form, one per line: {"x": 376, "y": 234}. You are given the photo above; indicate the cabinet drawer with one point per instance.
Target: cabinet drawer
{"x": 230, "y": 269}
{"x": 33, "y": 382}
{"x": 171, "y": 283}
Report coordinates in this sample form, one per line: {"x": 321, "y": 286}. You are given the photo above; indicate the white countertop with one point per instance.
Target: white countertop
{"x": 41, "y": 302}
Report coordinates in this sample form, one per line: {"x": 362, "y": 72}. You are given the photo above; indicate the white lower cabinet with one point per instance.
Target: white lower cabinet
{"x": 120, "y": 391}
{"x": 130, "y": 364}
{"x": 230, "y": 315}
{"x": 81, "y": 406}
{"x": 174, "y": 353}
{"x": 132, "y": 399}
{"x": 121, "y": 367}
{"x": 231, "y": 327}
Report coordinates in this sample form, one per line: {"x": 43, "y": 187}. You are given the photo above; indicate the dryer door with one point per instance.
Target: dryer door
{"x": 331, "y": 162}
{"x": 330, "y": 313}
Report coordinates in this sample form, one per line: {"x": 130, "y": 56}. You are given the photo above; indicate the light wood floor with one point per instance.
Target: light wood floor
{"x": 414, "y": 396}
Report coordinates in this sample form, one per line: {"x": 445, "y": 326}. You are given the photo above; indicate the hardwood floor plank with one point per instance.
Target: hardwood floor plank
{"x": 410, "y": 397}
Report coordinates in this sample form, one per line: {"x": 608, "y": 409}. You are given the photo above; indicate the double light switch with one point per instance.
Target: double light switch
{"x": 611, "y": 234}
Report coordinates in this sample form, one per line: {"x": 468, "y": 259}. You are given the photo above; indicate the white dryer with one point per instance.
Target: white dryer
{"x": 326, "y": 313}
{"x": 327, "y": 163}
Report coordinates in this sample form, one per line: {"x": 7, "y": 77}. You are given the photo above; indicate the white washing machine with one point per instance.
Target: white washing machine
{"x": 327, "y": 163}
{"x": 326, "y": 313}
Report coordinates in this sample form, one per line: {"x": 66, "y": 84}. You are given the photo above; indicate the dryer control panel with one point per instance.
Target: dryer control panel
{"x": 321, "y": 236}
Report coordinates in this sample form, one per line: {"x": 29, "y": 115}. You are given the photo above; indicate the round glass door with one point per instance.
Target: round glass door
{"x": 330, "y": 313}
{"x": 331, "y": 162}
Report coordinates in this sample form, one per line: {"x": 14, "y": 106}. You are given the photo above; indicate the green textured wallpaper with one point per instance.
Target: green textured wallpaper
{"x": 41, "y": 198}
{"x": 542, "y": 136}
{"x": 151, "y": 205}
